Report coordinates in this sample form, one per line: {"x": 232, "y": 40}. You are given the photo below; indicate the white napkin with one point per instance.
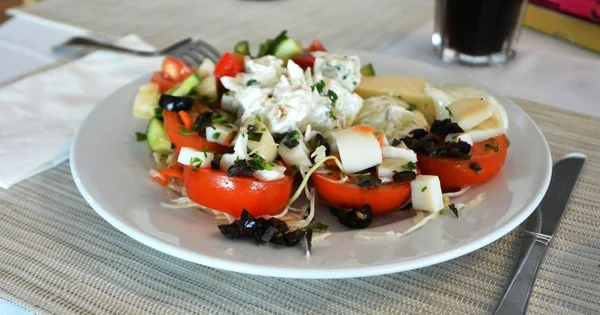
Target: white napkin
{"x": 40, "y": 113}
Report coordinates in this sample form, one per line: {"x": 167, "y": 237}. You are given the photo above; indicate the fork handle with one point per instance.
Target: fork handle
{"x": 90, "y": 44}
{"x": 517, "y": 294}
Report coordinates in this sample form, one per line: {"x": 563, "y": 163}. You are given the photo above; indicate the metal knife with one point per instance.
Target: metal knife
{"x": 539, "y": 230}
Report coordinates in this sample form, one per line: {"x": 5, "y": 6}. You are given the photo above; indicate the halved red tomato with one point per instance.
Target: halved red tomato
{"x": 306, "y": 60}
{"x": 180, "y": 138}
{"x": 164, "y": 82}
{"x": 454, "y": 174}
{"x": 176, "y": 69}
{"x": 215, "y": 190}
{"x": 316, "y": 45}
{"x": 229, "y": 65}
{"x": 382, "y": 199}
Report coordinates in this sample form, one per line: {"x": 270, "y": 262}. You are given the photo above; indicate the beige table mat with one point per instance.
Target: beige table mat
{"x": 355, "y": 24}
{"x": 58, "y": 256}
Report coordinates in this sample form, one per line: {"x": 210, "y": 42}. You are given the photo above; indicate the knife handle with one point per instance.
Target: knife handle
{"x": 516, "y": 296}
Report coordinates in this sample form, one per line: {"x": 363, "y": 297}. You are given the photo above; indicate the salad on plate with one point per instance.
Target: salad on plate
{"x": 258, "y": 140}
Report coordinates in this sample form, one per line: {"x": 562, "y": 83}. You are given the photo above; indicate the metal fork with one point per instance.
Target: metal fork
{"x": 191, "y": 50}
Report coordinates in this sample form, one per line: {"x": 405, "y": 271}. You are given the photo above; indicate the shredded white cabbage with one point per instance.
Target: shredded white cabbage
{"x": 457, "y": 193}
{"x": 262, "y": 147}
{"x": 307, "y": 176}
{"x": 311, "y": 213}
{"x": 420, "y": 220}
{"x": 319, "y": 153}
{"x": 319, "y": 236}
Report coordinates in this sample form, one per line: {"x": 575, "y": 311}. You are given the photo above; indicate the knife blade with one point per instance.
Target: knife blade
{"x": 539, "y": 229}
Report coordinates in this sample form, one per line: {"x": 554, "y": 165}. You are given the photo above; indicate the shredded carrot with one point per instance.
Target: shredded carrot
{"x": 379, "y": 136}
{"x": 363, "y": 128}
{"x": 229, "y": 139}
{"x": 186, "y": 119}
{"x": 171, "y": 172}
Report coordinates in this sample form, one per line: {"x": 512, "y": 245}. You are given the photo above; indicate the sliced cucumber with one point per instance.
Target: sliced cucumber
{"x": 184, "y": 88}
{"x": 157, "y": 137}
{"x": 287, "y": 49}
{"x": 146, "y": 101}
{"x": 242, "y": 48}
{"x": 367, "y": 70}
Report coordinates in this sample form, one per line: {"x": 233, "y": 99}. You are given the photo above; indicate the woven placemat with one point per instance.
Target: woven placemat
{"x": 357, "y": 24}
{"x": 57, "y": 256}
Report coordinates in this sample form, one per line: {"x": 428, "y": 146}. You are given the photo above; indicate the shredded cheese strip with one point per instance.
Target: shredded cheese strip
{"x": 458, "y": 193}
{"x": 311, "y": 213}
{"x": 263, "y": 146}
{"x": 380, "y": 236}
{"x": 309, "y": 173}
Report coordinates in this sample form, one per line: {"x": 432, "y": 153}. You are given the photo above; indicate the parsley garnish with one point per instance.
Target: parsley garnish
{"x": 317, "y": 226}
{"x": 466, "y": 157}
{"x": 454, "y": 210}
{"x": 411, "y": 107}
{"x": 333, "y": 97}
{"x": 254, "y": 136}
{"x": 362, "y": 177}
{"x": 332, "y": 115}
{"x": 184, "y": 131}
{"x": 195, "y": 163}
{"x": 455, "y": 137}
{"x": 257, "y": 117}
{"x": 258, "y": 163}
{"x": 424, "y": 188}
{"x": 252, "y": 82}
{"x": 410, "y": 166}
{"x": 208, "y": 101}
{"x": 158, "y": 113}
{"x": 216, "y": 135}
{"x": 140, "y": 136}
{"x": 476, "y": 167}
{"x": 449, "y": 112}
{"x": 492, "y": 147}
{"x": 204, "y": 151}
{"x": 220, "y": 120}
{"x": 319, "y": 86}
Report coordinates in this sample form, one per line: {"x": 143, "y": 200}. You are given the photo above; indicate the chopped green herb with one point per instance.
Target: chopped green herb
{"x": 216, "y": 135}
{"x": 345, "y": 76}
{"x": 195, "y": 160}
{"x": 257, "y": 117}
{"x": 410, "y": 166}
{"x": 449, "y": 112}
{"x": 332, "y": 115}
{"x": 242, "y": 48}
{"x": 455, "y": 137}
{"x": 411, "y": 106}
{"x": 140, "y": 136}
{"x": 258, "y": 163}
{"x": 424, "y": 188}
{"x": 317, "y": 226}
{"x": 492, "y": 147}
{"x": 333, "y": 97}
{"x": 294, "y": 135}
{"x": 454, "y": 210}
{"x": 158, "y": 113}
{"x": 204, "y": 151}
{"x": 466, "y": 157}
{"x": 252, "y": 82}
{"x": 208, "y": 101}
{"x": 254, "y": 136}
{"x": 184, "y": 131}
{"x": 319, "y": 86}
{"x": 263, "y": 129}
{"x": 362, "y": 177}
{"x": 396, "y": 142}
{"x": 220, "y": 120}
{"x": 476, "y": 167}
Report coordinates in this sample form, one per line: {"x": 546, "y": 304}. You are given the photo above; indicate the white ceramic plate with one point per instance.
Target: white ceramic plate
{"x": 111, "y": 170}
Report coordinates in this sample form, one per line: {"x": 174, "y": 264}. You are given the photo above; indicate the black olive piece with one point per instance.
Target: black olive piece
{"x": 232, "y": 230}
{"x": 278, "y": 240}
{"x": 294, "y": 237}
{"x": 418, "y": 133}
{"x": 203, "y": 121}
{"x": 291, "y": 143}
{"x": 320, "y": 140}
{"x": 279, "y": 225}
{"x": 251, "y": 128}
{"x": 308, "y": 237}
{"x": 215, "y": 164}
{"x": 444, "y": 127}
{"x": 247, "y": 223}
{"x": 369, "y": 182}
{"x": 463, "y": 147}
{"x": 334, "y": 211}
{"x": 356, "y": 218}
{"x": 278, "y": 137}
{"x": 175, "y": 103}
{"x": 404, "y": 176}
{"x": 254, "y": 136}
{"x": 240, "y": 168}
{"x": 265, "y": 235}
{"x": 476, "y": 167}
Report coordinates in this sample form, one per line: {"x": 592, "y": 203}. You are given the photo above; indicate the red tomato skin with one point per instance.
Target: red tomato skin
{"x": 385, "y": 198}
{"x": 173, "y": 127}
{"x": 306, "y": 60}
{"x": 176, "y": 69}
{"x": 316, "y": 45}
{"x": 163, "y": 81}
{"x": 455, "y": 174}
{"x": 229, "y": 65}
{"x": 215, "y": 190}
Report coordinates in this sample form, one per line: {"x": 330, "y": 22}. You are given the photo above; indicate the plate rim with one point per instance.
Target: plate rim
{"x": 322, "y": 272}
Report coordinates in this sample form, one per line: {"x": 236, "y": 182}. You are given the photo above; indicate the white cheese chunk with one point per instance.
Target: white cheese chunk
{"x": 229, "y": 102}
{"x": 276, "y": 173}
{"x": 390, "y": 152}
{"x": 358, "y": 150}
{"x": 265, "y": 70}
{"x": 219, "y": 133}
{"x": 441, "y": 100}
{"x": 266, "y": 146}
{"x": 190, "y": 156}
{"x": 470, "y": 112}
{"x": 240, "y": 151}
{"x": 389, "y": 167}
{"x": 490, "y": 128}
{"x": 426, "y": 193}
{"x": 298, "y": 155}
{"x": 456, "y": 137}
{"x": 342, "y": 68}
{"x": 206, "y": 68}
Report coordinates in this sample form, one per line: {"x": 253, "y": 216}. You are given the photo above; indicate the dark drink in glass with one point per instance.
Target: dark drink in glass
{"x": 477, "y": 32}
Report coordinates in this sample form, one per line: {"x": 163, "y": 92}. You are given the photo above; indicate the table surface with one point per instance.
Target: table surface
{"x": 576, "y": 255}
